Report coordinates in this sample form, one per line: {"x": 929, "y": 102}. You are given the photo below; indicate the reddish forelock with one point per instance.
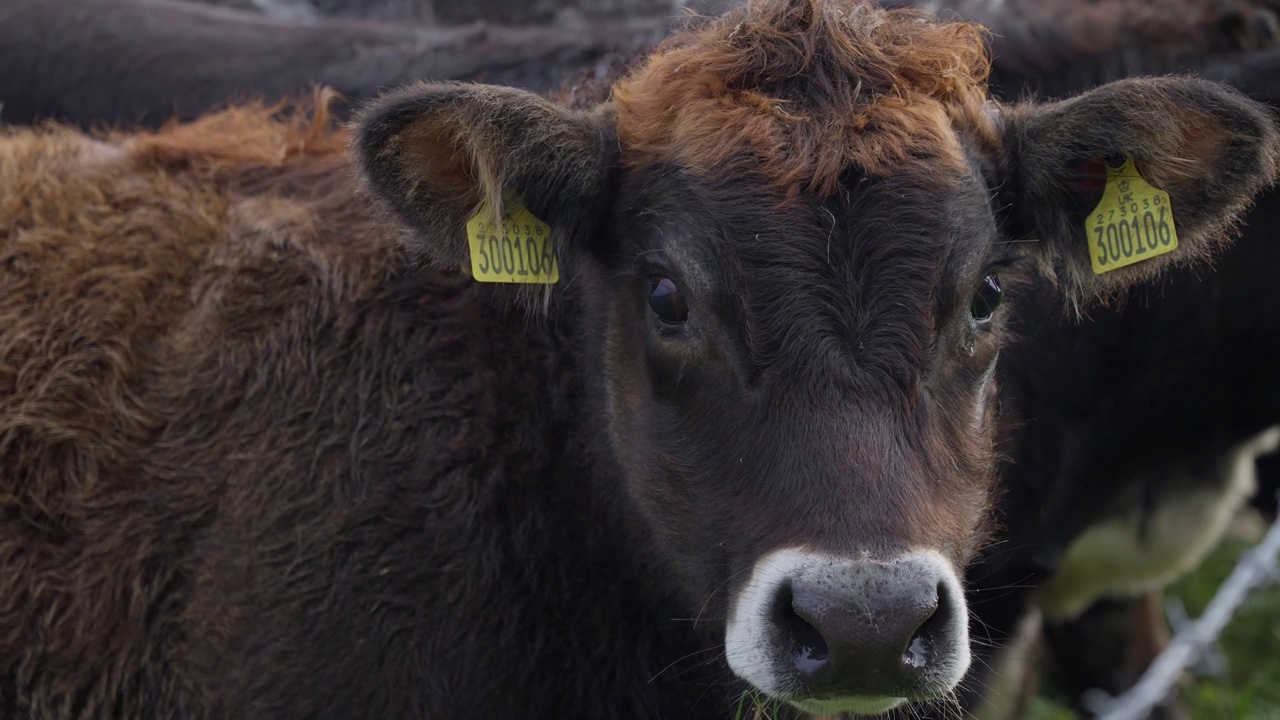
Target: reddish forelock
{"x": 809, "y": 89}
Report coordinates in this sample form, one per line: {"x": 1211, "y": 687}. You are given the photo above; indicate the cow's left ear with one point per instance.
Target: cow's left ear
{"x": 439, "y": 155}
{"x": 1205, "y": 145}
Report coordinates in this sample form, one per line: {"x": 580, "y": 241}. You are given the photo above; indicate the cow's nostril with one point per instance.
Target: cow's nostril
{"x": 809, "y": 651}
{"x": 918, "y": 653}
{"x": 922, "y": 648}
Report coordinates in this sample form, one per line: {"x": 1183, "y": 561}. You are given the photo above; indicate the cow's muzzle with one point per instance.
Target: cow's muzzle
{"x": 838, "y": 634}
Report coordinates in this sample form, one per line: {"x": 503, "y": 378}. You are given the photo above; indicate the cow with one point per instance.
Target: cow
{"x": 1259, "y": 77}
{"x": 303, "y": 10}
{"x": 506, "y": 12}
{"x": 274, "y": 443}
{"x": 1160, "y": 519}
{"x": 1052, "y": 49}
{"x": 142, "y": 63}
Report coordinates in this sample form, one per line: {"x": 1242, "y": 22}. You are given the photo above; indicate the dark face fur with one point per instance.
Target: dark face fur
{"x": 810, "y": 375}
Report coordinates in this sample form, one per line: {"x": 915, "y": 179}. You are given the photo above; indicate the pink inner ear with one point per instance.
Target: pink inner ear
{"x": 1088, "y": 177}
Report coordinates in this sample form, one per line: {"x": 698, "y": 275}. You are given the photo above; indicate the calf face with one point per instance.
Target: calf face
{"x": 810, "y": 423}
{"x": 786, "y": 239}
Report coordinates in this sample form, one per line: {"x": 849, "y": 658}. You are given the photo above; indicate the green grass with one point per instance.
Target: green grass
{"x": 754, "y": 706}
{"x": 1043, "y": 708}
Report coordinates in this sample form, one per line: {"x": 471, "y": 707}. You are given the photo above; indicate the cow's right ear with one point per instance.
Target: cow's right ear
{"x": 436, "y": 154}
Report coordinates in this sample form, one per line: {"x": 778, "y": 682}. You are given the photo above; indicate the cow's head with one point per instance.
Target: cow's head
{"x": 792, "y": 227}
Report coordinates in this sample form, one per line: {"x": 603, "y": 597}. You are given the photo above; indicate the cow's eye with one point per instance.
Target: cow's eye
{"x": 986, "y": 299}
{"x": 667, "y": 301}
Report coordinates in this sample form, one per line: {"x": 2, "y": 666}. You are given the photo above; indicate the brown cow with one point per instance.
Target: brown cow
{"x": 258, "y": 462}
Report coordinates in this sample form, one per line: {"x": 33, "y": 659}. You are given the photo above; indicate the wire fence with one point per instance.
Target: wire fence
{"x": 1256, "y": 569}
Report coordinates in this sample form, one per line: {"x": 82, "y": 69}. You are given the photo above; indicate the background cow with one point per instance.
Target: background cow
{"x": 1136, "y": 450}
{"x": 1051, "y": 49}
{"x": 143, "y": 62}
{"x": 1200, "y": 488}
{"x": 518, "y": 12}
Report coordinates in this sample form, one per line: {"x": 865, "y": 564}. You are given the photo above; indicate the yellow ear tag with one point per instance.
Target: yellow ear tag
{"x": 1133, "y": 221}
{"x": 518, "y": 250}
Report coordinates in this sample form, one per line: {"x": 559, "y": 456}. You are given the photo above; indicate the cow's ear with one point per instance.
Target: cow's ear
{"x": 1208, "y": 147}
{"x": 438, "y": 155}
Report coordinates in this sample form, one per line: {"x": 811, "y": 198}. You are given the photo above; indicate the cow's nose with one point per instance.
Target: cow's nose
{"x": 865, "y": 629}
{"x": 835, "y": 634}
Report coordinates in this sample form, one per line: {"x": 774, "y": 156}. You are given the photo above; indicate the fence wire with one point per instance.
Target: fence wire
{"x": 1256, "y": 569}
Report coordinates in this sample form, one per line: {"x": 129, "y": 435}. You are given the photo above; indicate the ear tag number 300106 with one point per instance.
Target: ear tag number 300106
{"x": 1133, "y": 221}
{"x": 517, "y": 250}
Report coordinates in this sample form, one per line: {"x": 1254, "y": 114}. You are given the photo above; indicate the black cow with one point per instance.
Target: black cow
{"x": 1050, "y": 49}
{"x": 1176, "y": 512}
{"x": 504, "y": 12}
{"x": 144, "y": 62}
{"x": 1140, "y": 424}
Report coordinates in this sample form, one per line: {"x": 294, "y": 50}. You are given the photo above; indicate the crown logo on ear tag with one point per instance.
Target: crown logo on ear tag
{"x": 1133, "y": 221}
{"x": 517, "y": 250}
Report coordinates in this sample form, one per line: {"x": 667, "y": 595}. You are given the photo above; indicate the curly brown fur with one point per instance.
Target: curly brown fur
{"x": 805, "y": 91}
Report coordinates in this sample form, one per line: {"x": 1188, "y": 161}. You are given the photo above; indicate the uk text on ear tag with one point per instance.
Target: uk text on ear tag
{"x": 517, "y": 250}
{"x": 1133, "y": 221}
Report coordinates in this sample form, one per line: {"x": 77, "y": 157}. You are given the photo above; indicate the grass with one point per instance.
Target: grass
{"x": 754, "y": 706}
{"x": 1045, "y": 709}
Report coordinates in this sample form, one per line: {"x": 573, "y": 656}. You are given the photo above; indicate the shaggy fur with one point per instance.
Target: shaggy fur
{"x": 239, "y": 466}
{"x": 807, "y": 90}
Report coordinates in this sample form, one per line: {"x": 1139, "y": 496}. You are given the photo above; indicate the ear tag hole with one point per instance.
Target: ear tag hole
{"x": 517, "y": 250}
{"x": 1132, "y": 222}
